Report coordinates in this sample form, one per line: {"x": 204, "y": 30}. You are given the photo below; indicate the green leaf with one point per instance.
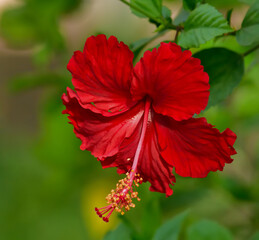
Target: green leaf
{"x": 166, "y": 13}
{"x": 225, "y": 69}
{"x": 203, "y": 24}
{"x": 181, "y": 17}
{"x": 153, "y": 10}
{"x": 172, "y": 228}
{"x": 121, "y": 232}
{"x": 149, "y": 8}
{"x": 208, "y": 230}
{"x": 191, "y": 4}
{"x": 249, "y": 32}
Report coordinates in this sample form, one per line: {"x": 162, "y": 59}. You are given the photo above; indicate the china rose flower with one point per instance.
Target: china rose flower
{"x": 140, "y": 118}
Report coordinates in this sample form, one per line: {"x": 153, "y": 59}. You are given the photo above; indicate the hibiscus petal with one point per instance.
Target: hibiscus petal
{"x": 151, "y": 165}
{"x": 102, "y": 75}
{"x": 193, "y": 146}
{"x": 99, "y": 134}
{"x": 173, "y": 79}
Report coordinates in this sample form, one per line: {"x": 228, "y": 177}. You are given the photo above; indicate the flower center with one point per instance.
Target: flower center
{"x": 120, "y": 199}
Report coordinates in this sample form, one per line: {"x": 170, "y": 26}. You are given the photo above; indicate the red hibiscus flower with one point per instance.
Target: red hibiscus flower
{"x": 140, "y": 118}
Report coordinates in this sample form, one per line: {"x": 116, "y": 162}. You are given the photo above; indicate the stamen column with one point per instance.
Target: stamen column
{"x": 121, "y": 198}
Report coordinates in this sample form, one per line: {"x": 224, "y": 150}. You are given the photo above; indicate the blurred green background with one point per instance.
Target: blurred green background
{"x": 48, "y": 186}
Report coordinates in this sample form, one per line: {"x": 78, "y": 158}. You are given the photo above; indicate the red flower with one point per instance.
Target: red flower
{"x": 140, "y": 119}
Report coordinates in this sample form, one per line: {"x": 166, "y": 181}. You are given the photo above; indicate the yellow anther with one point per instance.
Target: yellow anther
{"x": 121, "y": 197}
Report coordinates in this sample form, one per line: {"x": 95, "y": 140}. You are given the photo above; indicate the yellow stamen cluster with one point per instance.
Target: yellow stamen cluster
{"x": 121, "y": 197}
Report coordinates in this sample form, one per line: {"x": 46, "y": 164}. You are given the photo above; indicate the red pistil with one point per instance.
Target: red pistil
{"x": 120, "y": 199}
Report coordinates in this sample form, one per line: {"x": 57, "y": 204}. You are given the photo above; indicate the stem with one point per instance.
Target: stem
{"x": 250, "y": 50}
{"x": 158, "y": 35}
{"x": 142, "y": 136}
{"x": 178, "y": 29}
{"x": 146, "y": 43}
{"x": 171, "y": 26}
{"x": 231, "y": 33}
{"x": 167, "y": 24}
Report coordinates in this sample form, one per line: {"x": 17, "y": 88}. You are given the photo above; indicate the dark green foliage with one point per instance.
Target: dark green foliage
{"x": 225, "y": 69}
{"x": 191, "y": 4}
{"x": 249, "y": 32}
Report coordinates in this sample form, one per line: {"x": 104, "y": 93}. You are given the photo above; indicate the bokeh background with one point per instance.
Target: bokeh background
{"x": 48, "y": 186}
